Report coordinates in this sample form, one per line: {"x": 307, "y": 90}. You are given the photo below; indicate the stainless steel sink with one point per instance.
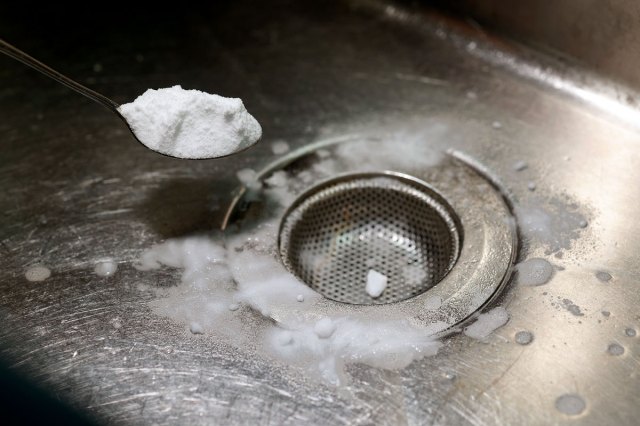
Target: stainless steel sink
{"x": 76, "y": 188}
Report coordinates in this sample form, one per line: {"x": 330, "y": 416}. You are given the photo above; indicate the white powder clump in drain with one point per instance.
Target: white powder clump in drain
{"x": 487, "y": 323}
{"x": 190, "y": 123}
{"x": 376, "y": 283}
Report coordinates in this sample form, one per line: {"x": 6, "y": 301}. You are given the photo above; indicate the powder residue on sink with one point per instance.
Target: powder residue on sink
{"x": 487, "y": 323}
{"x": 190, "y": 123}
{"x": 572, "y": 307}
{"x": 383, "y": 344}
{"x": 214, "y": 277}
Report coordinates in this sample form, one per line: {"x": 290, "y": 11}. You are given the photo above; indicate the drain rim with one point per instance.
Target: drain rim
{"x": 427, "y": 194}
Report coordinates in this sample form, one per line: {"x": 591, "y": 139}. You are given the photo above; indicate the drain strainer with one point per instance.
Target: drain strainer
{"x": 340, "y": 230}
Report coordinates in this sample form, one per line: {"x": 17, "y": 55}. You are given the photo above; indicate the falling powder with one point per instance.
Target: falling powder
{"x": 37, "y": 273}
{"x": 190, "y": 123}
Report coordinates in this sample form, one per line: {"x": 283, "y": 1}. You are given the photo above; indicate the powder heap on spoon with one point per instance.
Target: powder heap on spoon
{"x": 190, "y": 123}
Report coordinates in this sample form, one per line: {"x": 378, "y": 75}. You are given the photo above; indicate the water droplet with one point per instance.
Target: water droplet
{"x": 534, "y": 272}
{"x": 196, "y": 328}
{"x": 631, "y": 332}
{"x": 603, "y": 276}
{"x": 570, "y": 404}
{"x": 105, "y": 268}
{"x": 524, "y": 337}
{"x": 606, "y": 313}
{"x": 37, "y": 273}
{"x": 615, "y": 349}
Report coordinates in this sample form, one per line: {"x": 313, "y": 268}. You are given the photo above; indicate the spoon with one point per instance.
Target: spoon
{"x": 111, "y": 105}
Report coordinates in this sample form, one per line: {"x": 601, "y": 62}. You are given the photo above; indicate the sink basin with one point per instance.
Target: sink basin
{"x": 556, "y": 125}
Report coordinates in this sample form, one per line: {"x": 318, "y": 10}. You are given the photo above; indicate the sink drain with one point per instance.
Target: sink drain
{"x": 338, "y": 231}
{"x": 381, "y": 217}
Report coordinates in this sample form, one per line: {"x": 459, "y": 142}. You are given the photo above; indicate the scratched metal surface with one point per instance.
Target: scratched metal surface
{"x": 75, "y": 188}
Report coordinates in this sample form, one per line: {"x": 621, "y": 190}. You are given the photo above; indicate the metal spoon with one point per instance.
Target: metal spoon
{"x": 111, "y": 105}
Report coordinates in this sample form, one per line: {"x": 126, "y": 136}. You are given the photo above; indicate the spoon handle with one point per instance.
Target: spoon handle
{"x": 19, "y": 55}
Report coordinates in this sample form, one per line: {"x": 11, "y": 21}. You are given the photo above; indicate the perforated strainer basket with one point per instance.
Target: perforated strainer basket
{"x": 338, "y": 231}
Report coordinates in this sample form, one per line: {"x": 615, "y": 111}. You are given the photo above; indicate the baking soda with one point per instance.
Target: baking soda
{"x": 190, "y": 123}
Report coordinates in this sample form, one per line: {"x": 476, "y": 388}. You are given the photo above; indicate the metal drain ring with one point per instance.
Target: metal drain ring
{"x": 338, "y": 231}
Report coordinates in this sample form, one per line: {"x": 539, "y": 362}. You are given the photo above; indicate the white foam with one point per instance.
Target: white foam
{"x": 487, "y": 323}
{"x": 190, "y": 123}
{"x": 324, "y": 328}
{"x": 263, "y": 283}
{"x": 376, "y": 283}
{"x": 322, "y": 346}
{"x": 382, "y": 344}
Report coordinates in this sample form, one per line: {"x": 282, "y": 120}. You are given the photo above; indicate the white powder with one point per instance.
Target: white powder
{"x": 487, "y": 323}
{"x": 190, "y": 123}
{"x": 324, "y": 328}
{"x": 376, "y": 283}
{"x": 382, "y": 344}
{"x": 216, "y": 279}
